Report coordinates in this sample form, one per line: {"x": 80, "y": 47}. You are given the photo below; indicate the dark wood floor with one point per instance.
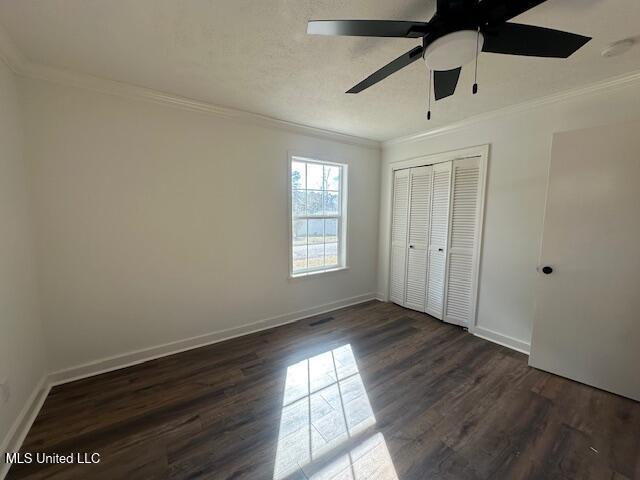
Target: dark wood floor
{"x": 423, "y": 400}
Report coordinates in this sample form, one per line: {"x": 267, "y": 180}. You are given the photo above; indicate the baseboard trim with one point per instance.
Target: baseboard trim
{"x": 500, "y": 339}
{"x": 117, "y": 362}
{"x": 381, "y": 297}
{"x": 18, "y": 431}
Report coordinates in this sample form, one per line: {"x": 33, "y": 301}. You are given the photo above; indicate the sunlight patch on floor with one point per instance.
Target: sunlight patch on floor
{"x": 369, "y": 460}
{"x": 325, "y": 405}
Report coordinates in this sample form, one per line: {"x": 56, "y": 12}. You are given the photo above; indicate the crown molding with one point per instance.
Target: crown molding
{"x": 111, "y": 87}
{"x": 9, "y": 53}
{"x": 604, "y": 85}
{"x": 13, "y": 58}
{"x": 21, "y": 66}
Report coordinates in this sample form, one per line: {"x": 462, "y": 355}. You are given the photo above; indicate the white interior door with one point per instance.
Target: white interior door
{"x": 438, "y": 234}
{"x": 419, "y": 214}
{"x": 399, "y": 223}
{"x": 587, "y": 324}
{"x": 464, "y": 227}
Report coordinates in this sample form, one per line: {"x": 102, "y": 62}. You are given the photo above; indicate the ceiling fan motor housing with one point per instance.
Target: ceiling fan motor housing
{"x": 453, "y": 50}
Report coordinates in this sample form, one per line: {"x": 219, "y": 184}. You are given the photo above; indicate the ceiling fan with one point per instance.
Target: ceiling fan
{"x": 458, "y": 30}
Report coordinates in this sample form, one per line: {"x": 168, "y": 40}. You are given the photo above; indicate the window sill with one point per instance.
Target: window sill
{"x": 300, "y": 276}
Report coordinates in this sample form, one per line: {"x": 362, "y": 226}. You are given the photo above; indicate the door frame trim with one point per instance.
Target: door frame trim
{"x": 481, "y": 151}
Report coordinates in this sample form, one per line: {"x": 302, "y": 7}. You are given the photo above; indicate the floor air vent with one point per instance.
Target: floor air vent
{"x": 321, "y": 321}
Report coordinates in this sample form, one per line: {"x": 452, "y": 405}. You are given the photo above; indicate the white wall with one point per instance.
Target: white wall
{"x": 517, "y": 180}
{"x": 22, "y": 354}
{"x": 156, "y": 224}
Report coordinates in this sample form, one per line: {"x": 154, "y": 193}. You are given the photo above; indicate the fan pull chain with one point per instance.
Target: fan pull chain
{"x": 429, "y": 101}
{"x": 475, "y": 78}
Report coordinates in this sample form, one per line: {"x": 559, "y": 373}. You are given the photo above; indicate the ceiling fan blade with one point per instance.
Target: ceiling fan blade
{"x": 368, "y": 28}
{"x": 392, "y": 67}
{"x": 445, "y": 82}
{"x": 503, "y": 10}
{"x": 518, "y": 39}
{"x": 448, "y": 6}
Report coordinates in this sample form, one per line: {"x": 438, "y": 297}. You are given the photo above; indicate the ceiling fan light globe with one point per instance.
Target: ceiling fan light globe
{"x": 618, "y": 48}
{"x": 453, "y": 50}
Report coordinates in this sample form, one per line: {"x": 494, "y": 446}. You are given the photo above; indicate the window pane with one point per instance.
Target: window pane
{"x": 298, "y": 176}
{"x": 331, "y": 254}
{"x": 316, "y": 256}
{"x": 316, "y": 193}
{"x": 331, "y": 203}
{"x": 300, "y": 232}
{"x": 314, "y": 176}
{"x": 316, "y": 231}
{"x": 299, "y": 258}
{"x": 331, "y": 230}
{"x": 314, "y": 203}
{"x": 299, "y": 200}
{"x": 332, "y": 178}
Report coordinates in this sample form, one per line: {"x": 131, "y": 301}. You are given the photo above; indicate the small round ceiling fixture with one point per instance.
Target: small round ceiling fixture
{"x": 618, "y": 48}
{"x": 453, "y": 50}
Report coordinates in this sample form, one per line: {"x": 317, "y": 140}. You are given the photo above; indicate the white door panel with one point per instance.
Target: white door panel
{"x": 463, "y": 240}
{"x": 399, "y": 235}
{"x": 419, "y": 214}
{"x": 438, "y": 234}
{"x": 416, "y": 281}
{"x": 587, "y": 324}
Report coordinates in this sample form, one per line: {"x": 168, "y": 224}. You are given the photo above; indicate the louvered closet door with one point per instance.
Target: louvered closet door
{"x": 438, "y": 234}
{"x": 463, "y": 229}
{"x": 419, "y": 213}
{"x": 399, "y": 223}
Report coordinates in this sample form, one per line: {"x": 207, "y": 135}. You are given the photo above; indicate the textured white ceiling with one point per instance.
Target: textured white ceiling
{"x": 254, "y": 55}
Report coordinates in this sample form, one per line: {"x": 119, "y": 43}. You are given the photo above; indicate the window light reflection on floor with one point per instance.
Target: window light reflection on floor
{"x": 368, "y": 460}
{"x": 325, "y": 407}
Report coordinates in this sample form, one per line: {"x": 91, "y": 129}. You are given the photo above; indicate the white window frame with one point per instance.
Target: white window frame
{"x": 342, "y": 218}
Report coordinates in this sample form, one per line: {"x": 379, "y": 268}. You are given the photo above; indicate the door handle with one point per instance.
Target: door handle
{"x": 410, "y": 246}
{"x": 547, "y": 270}
{"x": 441, "y": 249}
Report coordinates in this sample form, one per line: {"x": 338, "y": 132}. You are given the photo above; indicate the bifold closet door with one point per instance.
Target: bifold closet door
{"x": 419, "y": 214}
{"x": 434, "y": 237}
{"x": 463, "y": 231}
{"x": 438, "y": 234}
{"x": 399, "y": 223}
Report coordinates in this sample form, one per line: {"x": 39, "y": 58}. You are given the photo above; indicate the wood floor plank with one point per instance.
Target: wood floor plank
{"x": 423, "y": 400}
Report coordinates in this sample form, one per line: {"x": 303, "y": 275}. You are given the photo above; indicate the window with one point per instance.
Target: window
{"x": 318, "y": 214}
